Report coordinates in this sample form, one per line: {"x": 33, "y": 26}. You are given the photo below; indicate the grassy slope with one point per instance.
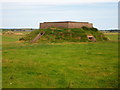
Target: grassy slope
{"x": 80, "y": 65}
{"x": 66, "y": 35}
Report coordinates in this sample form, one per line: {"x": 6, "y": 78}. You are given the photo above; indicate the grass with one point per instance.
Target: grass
{"x": 0, "y": 60}
{"x": 57, "y": 35}
{"x": 112, "y": 36}
{"x": 83, "y": 65}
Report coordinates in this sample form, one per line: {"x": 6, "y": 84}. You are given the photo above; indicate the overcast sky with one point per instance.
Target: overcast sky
{"x": 102, "y": 13}
{"x": 119, "y": 15}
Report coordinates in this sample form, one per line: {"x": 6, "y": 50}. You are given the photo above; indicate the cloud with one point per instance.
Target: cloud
{"x": 58, "y": 2}
{"x": 24, "y": 14}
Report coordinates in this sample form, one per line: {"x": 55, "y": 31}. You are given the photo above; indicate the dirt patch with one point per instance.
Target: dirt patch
{"x": 65, "y": 43}
{"x": 0, "y": 33}
{"x": 12, "y": 33}
{"x": 8, "y": 33}
{"x": 18, "y": 33}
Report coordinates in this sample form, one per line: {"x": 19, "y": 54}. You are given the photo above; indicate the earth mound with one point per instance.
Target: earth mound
{"x": 83, "y": 34}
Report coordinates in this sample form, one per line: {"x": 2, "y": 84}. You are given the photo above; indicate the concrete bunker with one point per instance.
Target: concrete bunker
{"x": 65, "y": 24}
{"x": 91, "y": 38}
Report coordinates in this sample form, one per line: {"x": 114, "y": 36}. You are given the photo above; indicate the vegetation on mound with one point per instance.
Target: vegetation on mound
{"x": 69, "y": 35}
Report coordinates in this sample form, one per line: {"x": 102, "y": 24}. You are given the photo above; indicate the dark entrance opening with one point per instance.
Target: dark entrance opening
{"x": 41, "y": 33}
{"x": 90, "y": 38}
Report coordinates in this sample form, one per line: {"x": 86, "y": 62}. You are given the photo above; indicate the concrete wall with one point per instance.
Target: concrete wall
{"x": 54, "y": 24}
{"x": 79, "y": 25}
{"x": 65, "y": 24}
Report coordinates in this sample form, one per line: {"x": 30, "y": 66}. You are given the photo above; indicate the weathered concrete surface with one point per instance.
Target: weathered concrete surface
{"x": 65, "y": 24}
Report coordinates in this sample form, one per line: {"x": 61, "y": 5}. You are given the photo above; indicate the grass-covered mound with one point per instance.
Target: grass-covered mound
{"x": 66, "y": 35}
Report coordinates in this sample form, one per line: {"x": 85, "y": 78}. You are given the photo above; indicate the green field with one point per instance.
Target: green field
{"x": 112, "y": 36}
{"x": 60, "y": 65}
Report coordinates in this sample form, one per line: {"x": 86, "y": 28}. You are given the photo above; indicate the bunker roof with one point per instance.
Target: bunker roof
{"x": 65, "y": 22}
